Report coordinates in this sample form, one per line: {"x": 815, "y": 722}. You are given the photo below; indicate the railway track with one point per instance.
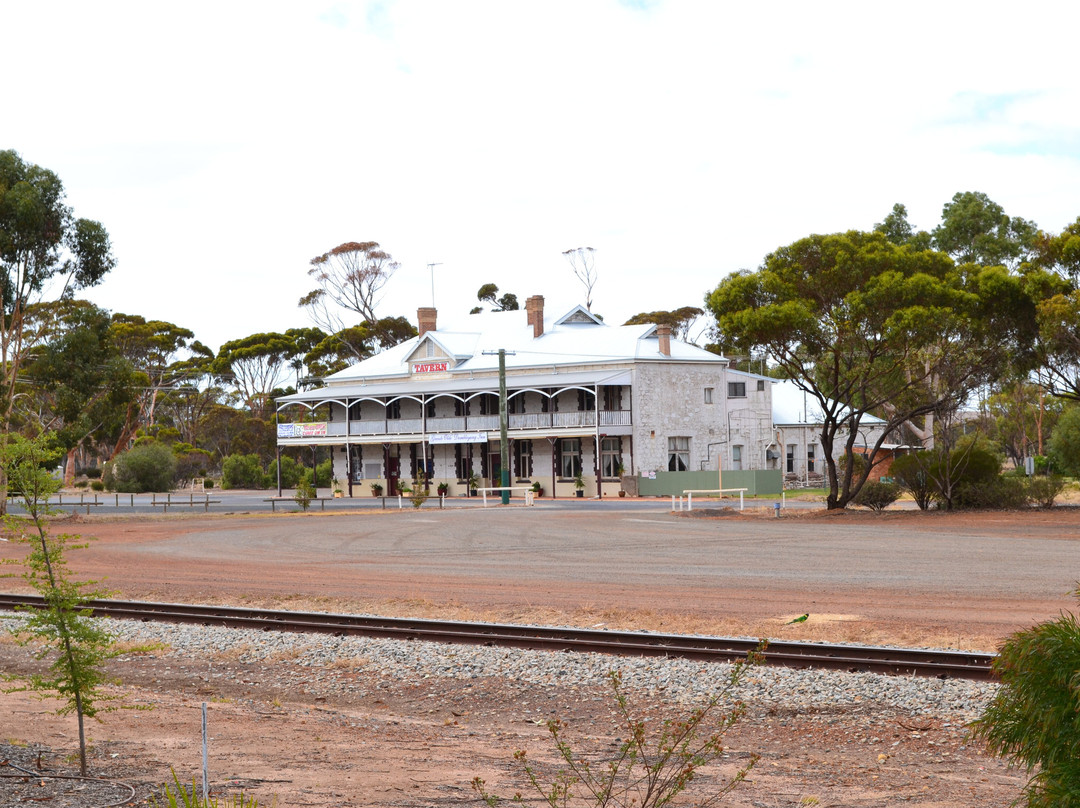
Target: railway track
{"x": 854, "y": 658}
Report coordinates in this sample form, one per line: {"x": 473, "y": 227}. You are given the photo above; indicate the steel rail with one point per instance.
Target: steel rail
{"x": 854, "y": 658}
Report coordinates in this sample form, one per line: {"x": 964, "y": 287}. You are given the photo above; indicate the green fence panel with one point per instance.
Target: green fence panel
{"x": 767, "y": 483}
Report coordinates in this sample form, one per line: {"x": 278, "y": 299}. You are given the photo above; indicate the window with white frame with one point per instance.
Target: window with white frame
{"x": 791, "y": 447}
{"x": 569, "y": 461}
{"x": 736, "y": 456}
{"x": 708, "y": 395}
{"x": 678, "y": 454}
{"x": 610, "y": 457}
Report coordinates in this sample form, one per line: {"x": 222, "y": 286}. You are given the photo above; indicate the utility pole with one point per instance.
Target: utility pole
{"x": 504, "y": 425}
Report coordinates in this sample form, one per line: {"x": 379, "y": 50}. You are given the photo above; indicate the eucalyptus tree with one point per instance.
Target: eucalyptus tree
{"x": 865, "y": 326}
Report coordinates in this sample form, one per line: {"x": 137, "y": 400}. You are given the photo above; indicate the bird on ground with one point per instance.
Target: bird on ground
{"x": 801, "y": 619}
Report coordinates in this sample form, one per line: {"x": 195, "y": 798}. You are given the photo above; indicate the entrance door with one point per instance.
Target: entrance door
{"x": 495, "y": 467}
{"x": 393, "y": 473}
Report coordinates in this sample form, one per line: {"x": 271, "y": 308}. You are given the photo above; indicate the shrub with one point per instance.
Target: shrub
{"x": 1000, "y": 493}
{"x": 1042, "y": 491}
{"x": 418, "y": 493}
{"x": 644, "y": 769}
{"x": 97, "y": 485}
{"x": 324, "y": 473}
{"x": 178, "y": 795}
{"x": 304, "y": 494}
{"x": 1033, "y": 717}
{"x": 877, "y": 496}
{"x": 192, "y": 462}
{"x": 910, "y": 473}
{"x": 80, "y": 483}
{"x": 90, "y": 472}
{"x": 242, "y": 471}
{"x": 1065, "y": 442}
{"x": 145, "y": 467}
{"x": 208, "y": 483}
{"x": 290, "y": 472}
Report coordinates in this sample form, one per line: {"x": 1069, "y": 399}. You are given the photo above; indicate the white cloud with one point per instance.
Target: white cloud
{"x": 223, "y": 145}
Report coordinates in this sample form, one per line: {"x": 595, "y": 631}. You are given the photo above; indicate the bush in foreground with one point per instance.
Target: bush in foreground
{"x": 877, "y": 496}
{"x": 1034, "y": 719}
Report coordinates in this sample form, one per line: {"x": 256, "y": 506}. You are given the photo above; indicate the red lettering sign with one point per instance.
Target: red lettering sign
{"x": 431, "y": 367}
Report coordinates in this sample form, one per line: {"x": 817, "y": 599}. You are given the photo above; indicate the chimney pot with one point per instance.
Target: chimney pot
{"x": 425, "y": 318}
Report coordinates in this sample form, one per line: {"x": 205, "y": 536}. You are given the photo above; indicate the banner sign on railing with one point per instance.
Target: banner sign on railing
{"x": 458, "y": 437}
{"x": 304, "y": 430}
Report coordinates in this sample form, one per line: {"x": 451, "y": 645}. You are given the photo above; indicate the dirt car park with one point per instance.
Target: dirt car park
{"x": 909, "y": 578}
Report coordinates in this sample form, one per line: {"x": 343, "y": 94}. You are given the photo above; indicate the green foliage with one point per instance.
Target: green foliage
{"x": 97, "y": 485}
{"x": 305, "y": 492}
{"x": 651, "y": 765}
{"x": 291, "y": 472}
{"x": 418, "y": 494}
{"x": 1065, "y": 442}
{"x": 376, "y": 489}
{"x": 975, "y": 229}
{"x": 680, "y": 319}
{"x": 488, "y": 293}
{"x": 910, "y": 473}
{"x": 61, "y": 632}
{"x": 1043, "y": 489}
{"x": 324, "y": 473}
{"x": 877, "y": 496}
{"x": 208, "y": 483}
{"x": 177, "y": 795}
{"x": 1034, "y": 719}
{"x": 242, "y": 471}
{"x": 192, "y": 462}
{"x": 996, "y": 493}
{"x": 866, "y": 326}
{"x": 142, "y": 468}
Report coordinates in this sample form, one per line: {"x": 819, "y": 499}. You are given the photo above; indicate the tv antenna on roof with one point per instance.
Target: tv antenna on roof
{"x": 431, "y": 267}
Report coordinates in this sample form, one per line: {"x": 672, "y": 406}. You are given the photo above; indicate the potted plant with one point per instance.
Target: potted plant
{"x": 579, "y": 484}
{"x": 474, "y": 483}
{"x": 376, "y": 489}
{"x": 338, "y": 493}
{"x": 620, "y": 470}
{"x": 537, "y": 489}
{"x": 443, "y": 489}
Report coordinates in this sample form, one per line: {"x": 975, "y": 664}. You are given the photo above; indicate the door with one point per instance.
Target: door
{"x": 393, "y": 473}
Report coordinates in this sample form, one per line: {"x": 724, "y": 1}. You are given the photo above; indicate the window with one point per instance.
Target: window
{"x": 791, "y": 458}
{"x": 489, "y": 404}
{"x": 736, "y": 456}
{"x": 586, "y": 400}
{"x": 462, "y": 460}
{"x": 736, "y": 389}
{"x": 393, "y": 409}
{"x": 678, "y": 454}
{"x": 569, "y": 461}
{"x": 354, "y": 411}
{"x": 811, "y": 451}
{"x": 523, "y": 458}
{"x": 761, "y": 385}
{"x": 708, "y": 395}
{"x": 612, "y": 398}
{"x": 429, "y": 408}
{"x": 610, "y": 457}
{"x": 515, "y": 404}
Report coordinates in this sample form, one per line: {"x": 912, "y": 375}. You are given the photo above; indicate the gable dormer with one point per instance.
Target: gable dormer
{"x": 430, "y": 357}
{"x": 579, "y": 315}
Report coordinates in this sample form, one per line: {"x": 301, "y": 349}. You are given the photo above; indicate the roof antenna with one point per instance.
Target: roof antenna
{"x": 432, "y": 268}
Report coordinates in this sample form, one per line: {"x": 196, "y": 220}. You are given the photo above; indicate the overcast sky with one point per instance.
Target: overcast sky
{"x": 225, "y": 144}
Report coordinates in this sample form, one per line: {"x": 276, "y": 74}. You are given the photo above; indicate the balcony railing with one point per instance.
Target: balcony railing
{"x": 471, "y": 423}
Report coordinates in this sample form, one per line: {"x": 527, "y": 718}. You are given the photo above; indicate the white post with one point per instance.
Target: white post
{"x": 690, "y": 501}
{"x": 483, "y": 493}
{"x": 205, "y": 765}
{"x": 741, "y": 500}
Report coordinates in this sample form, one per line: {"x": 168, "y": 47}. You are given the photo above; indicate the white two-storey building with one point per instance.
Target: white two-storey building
{"x": 583, "y": 397}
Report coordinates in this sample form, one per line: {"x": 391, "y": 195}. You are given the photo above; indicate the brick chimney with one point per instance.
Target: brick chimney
{"x": 663, "y": 334}
{"x": 425, "y": 318}
{"x": 534, "y": 313}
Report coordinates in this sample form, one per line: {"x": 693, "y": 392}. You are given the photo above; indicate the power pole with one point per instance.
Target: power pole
{"x": 504, "y": 425}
